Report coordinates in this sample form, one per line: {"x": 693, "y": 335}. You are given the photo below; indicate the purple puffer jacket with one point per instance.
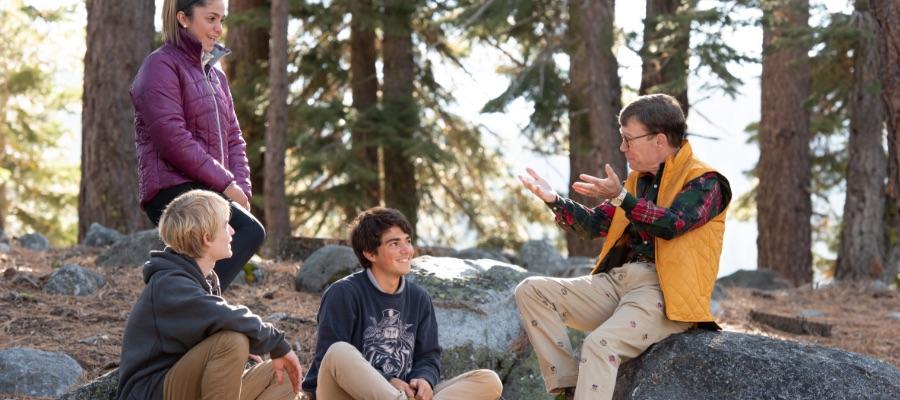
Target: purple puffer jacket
{"x": 185, "y": 129}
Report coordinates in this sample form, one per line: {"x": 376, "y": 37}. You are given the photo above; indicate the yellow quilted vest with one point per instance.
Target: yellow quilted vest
{"x": 688, "y": 264}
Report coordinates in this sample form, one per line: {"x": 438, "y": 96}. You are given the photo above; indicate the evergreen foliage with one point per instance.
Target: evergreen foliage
{"x": 38, "y": 177}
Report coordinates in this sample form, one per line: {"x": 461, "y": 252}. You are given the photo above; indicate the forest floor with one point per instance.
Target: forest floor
{"x": 89, "y": 328}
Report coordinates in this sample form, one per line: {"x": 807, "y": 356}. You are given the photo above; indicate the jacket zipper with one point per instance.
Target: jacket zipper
{"x": 216, "y": 105}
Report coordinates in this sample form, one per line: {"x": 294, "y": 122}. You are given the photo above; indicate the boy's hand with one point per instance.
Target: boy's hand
{"x": 290, "y": 364}
{"x": 403, "y": 387}
{"x": 423, "y": 389}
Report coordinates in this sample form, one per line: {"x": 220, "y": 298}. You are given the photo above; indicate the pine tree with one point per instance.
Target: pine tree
{"x": 783, "y": 195}
{"x": 109, "y": 190}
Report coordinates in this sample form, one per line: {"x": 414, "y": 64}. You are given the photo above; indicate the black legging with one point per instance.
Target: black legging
{"x": 249, "y": 234}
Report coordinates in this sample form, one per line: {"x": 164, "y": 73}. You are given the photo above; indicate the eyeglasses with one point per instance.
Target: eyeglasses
{"x": 627, "y": 140}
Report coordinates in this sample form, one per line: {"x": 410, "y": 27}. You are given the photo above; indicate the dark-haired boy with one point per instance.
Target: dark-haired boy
{"x": 377, "y": 336}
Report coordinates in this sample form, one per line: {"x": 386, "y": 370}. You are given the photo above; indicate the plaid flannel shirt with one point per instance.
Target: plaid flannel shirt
{"x": 700, "y": 200}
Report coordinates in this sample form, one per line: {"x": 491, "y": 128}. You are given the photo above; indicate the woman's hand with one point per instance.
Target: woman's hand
{"x": 538, "y": 186}
{"x": 237, "y": 195}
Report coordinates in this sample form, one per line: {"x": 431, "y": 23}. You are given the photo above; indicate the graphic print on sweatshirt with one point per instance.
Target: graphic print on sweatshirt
{"x": 387, "y": 344}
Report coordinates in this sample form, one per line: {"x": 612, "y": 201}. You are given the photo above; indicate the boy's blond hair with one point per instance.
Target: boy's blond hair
{"x": 190, "y": 218}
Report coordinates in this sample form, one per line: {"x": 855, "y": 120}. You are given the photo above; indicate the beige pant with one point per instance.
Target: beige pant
{"x": 214, "y": 369}
{"x": 623, "y": 311}
{"x": 345, "y": 374}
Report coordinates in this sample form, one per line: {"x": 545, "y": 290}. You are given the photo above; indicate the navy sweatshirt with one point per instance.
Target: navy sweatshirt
{"x": 397, "y": 332}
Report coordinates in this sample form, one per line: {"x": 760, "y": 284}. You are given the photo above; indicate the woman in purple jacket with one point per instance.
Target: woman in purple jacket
{"x": 185, "y": 130}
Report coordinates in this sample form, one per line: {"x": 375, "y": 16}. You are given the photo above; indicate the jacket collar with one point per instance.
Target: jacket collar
{"x": 191, "y": 46}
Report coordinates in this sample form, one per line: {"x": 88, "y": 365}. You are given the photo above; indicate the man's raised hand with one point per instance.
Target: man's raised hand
{"x": 604, "y": 188}
{"x": 538, "y": 186}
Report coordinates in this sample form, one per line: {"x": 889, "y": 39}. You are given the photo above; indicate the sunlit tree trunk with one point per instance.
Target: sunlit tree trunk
{"x": 278, "y": 226}
{"x": 247, "y": 36}
{"x": 119, "y": 36}
{"x": 887, "y": 16}
{"x": 401, "y": 191}
{"x": 784, "y": 206}
{"x": 594, "y": 95}
{"x": 861, "y": 255}
{"x": 364, "y": 82}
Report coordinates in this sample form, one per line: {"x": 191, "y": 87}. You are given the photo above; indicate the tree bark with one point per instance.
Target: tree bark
{"x": 247, "y": 36}
{"x": 784, "y": 206}
{"x": 861, "y": 255}
{"x": 887, "y": 16}
{"x": 364, "y": 82}
{"x": 594, "y": 94}
{"x": 119, "y": 36}
{"x": 399, "y": 105}
{"x": 278, "y": 226}
{"x": 666, "y": 51}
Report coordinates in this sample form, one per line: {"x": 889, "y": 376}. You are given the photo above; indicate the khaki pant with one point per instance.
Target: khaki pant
{"x": 214, "y": 369}
{"x": 345, "y": 374}
{"x": 622, "y": 310}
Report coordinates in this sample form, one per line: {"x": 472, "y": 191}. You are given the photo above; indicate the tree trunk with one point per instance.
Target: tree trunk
{"x": 666, "y": 50}
{"x": 887, "y": 15}
{"x": 278, "y": 223}
{"x": 119, "y": 36}
{"x": 594, "y": 96}
{"x": 247, "y": 36}
{"x": 364, "y": 82}
{"x": 400, "y": 190}
{"x": 784, "y": 206}
{"x": 861, "y": 255}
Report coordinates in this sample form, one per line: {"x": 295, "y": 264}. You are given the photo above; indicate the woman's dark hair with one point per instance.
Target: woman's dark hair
{"x": 368, "y": 228}
{"x": 170, "y": 16}
{"x": 660, "y": 113}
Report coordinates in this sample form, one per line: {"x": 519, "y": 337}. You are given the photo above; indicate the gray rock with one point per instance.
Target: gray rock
{"x": 32, "y": 372}
{"x": 540, "y": 257}
{"x": 476, "y": 310}
{"x": 762, "y": 279}
{"x": 325, "y": 266}
{"x": 728, "y": 365}
{"x": 719, "y": 293}
{"x": 894, "y": 314}
{"x": 34, "y": 241}
{"x": 73, "y": 280}
{"x": 131, "y": 250}
{"x": 100, "y": 236}
{"x": 577, "y": 266}
{"x": 4, "y": 248}
{"x": 811, "y": 313}
{"x": 474, "y": 253}
{"x": 102, "y": 388}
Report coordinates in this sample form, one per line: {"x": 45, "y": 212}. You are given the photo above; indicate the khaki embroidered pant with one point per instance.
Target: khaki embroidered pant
{"x": 622, "y": 310}
{"x": 214, "y": 369}
{"x": 346, "y": 375}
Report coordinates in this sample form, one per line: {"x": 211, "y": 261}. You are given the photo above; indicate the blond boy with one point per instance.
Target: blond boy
{"x": 182, "y": 339}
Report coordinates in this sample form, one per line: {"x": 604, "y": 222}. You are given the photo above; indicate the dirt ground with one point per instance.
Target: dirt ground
{"x": 89, "y": 328}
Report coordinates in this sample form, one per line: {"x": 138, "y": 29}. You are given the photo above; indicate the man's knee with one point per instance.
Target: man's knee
{"x": 526, "y": 287}
{"x": 490, "y": 381}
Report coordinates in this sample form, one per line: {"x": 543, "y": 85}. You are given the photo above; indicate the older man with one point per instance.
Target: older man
{"x": 655, "y": 273}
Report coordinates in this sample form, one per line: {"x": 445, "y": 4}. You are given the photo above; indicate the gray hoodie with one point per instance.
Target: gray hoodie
{"x": 174, "y": 313}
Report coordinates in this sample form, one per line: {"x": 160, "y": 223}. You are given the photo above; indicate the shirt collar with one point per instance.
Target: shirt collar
{"x": 377, "y": 286}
